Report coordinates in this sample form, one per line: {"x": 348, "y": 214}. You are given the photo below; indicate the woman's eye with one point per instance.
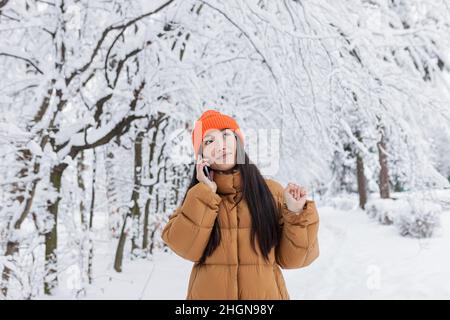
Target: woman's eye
{"x": 208, "y": 142}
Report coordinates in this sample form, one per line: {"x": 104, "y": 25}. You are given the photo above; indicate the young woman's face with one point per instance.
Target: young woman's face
{"x": 220, "y": 147}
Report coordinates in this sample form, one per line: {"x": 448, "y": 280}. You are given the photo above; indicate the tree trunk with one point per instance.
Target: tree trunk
{"x": 362, "y": 191}
{"x": 383, "y": 183}
{"x": 51, "y": 237}
{"x": 146, "y": 216}
{"x": 24, "y": 157}
{"x": 361, "y": 178}
{"x": 155, "y": 123}
{"x": 121, "y": 245}
{"x": 81, "y": 168}
{"x": 18, "y": 190}
{"x": 91, "y": 217}
{"x": 111, "y": 194}
{"x": 135, "y": 210}
{"x": 134, "y": 213}
{"x": 86, "y": 223}
{"x": 151, "y": 156}
{"x": 11, "y": 248}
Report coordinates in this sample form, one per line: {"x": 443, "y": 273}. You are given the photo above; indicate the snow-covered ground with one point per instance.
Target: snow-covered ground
{"x": 360, "y": 259}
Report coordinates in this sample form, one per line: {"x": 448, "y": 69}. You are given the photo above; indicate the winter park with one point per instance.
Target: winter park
{"x": 226, "y": 150}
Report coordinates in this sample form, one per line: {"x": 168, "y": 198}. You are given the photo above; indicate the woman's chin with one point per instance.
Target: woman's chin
{"x": 223, "y": 166}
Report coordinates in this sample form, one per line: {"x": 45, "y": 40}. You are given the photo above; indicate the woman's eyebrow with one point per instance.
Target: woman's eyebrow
{"x": 210, "y": 136}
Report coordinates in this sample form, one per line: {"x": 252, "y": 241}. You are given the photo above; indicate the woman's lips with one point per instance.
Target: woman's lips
{"x": 223, "y": 156}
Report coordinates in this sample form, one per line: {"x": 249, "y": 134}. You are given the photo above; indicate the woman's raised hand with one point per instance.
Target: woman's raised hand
{"x": 201, "y": 177}
{"x": 295, "y": 197}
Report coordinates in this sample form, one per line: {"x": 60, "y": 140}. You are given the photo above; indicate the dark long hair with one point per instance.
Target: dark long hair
{"x": 260, "y": 202}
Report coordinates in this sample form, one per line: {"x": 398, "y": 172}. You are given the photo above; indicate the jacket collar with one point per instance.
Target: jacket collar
{"x": 228, "y": 183}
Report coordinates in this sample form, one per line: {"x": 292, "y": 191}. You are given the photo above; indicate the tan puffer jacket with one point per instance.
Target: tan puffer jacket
{"x": 234, "y": 270}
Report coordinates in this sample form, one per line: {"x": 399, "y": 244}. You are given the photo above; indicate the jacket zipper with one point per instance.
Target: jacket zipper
{"x": 237, "y": 252}
{"x": 237, "y": 248}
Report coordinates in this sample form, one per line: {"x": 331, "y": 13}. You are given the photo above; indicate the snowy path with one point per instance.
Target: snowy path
{"x": 364, "y": 260}
{"x": 359, "y": 259}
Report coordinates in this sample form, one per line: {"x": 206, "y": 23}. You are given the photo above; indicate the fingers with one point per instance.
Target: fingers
{"x": 303, "y": 191}
{"x": 201, "y": 163}
{"x": 296, "y": 191}
{"x": 291, "y": 189}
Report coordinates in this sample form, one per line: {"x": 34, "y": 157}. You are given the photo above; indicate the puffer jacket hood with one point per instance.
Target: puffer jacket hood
{"x": 234, "y": 270}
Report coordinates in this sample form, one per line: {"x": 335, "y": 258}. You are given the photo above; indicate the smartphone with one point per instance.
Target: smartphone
{"x": 205, "y": 169}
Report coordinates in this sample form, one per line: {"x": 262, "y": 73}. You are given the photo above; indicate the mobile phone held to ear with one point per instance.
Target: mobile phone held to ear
{"x": 206, "y": 169}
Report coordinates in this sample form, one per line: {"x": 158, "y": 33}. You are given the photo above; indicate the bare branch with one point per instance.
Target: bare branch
{"x": 3, "y": 3}
{"x": 119, "y": 129}
{"x": 22, "y": 58}
{"x": 105, "y": 33}
{"x": 246, "y": 35}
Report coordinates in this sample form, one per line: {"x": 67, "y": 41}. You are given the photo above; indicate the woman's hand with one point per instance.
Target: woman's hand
{"x": 201, "y": 174}
{"x": 295, "y": 197}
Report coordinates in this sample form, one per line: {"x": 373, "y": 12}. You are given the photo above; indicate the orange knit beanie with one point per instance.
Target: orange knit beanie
{"x": 212, "y": 119}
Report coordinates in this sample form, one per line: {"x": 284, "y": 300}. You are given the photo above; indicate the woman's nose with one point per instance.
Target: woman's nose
{"x": 220, "y": 148}
{"x": 219, "y": 144}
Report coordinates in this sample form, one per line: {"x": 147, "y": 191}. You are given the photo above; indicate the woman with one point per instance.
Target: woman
{"x": 238, "y": 227}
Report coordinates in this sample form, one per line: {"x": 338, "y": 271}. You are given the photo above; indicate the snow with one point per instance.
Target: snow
{"x": 35, "y": 148}
{"x": 10, "y": 130}
{"x": 326, "y": 79}
{"x": 359, "y": 259}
